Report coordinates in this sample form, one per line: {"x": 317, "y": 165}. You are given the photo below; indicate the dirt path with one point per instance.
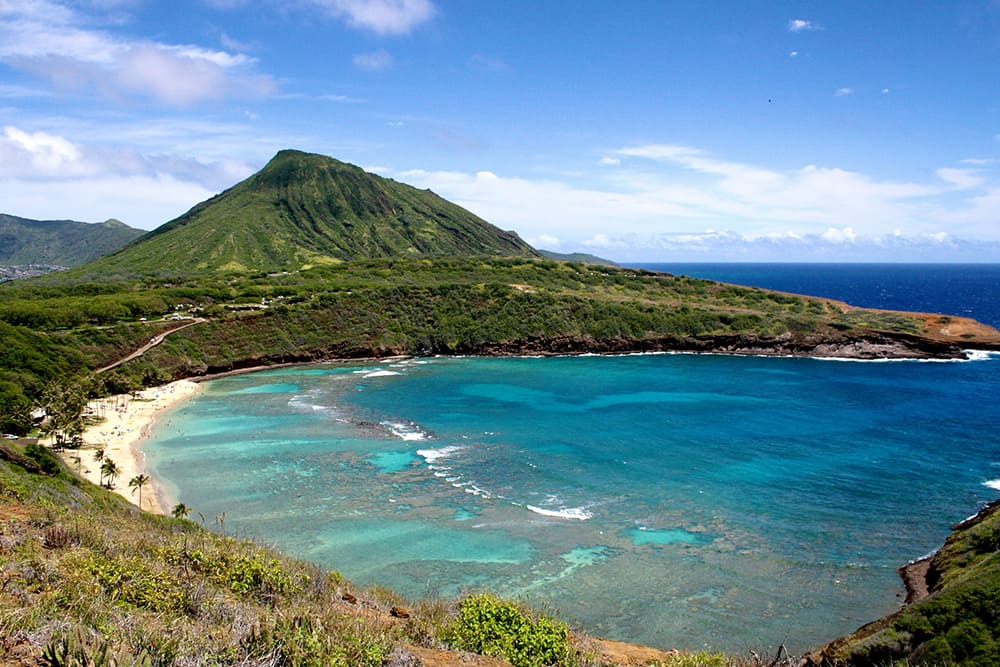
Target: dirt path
{"x": 153, "y": 342}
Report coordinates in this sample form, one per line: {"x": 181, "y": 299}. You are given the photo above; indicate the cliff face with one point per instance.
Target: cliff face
{"x": 952, "y": 615}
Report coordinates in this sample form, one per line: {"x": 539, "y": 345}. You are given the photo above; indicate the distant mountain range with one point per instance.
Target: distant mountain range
{"x": 583, "y": 257}
{"x": 59, "y": 243}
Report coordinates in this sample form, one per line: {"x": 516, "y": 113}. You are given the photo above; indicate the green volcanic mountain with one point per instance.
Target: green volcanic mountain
{"x": 59, "y": 242}
{"x": 305, "y": 210}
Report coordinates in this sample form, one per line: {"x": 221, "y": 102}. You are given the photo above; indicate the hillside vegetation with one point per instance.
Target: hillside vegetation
{"x": 957, "y": 624}
{"x": 59, "y": 242}
{"x": 305, "y": 210}
{"x": 384, "y": 307}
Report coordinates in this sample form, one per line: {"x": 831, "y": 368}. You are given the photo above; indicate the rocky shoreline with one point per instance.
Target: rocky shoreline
{"x": 878, "y": 642}
{"x": 914, "y": 576}
{"x": 876, "y": 346}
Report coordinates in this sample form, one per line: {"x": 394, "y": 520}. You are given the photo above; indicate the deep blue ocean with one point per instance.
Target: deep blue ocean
{"x": 672, "y": 500}
{"x": 969, "y": 290}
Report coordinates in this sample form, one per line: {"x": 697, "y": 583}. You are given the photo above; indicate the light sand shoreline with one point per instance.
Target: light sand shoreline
{"x": 124, "y": 423}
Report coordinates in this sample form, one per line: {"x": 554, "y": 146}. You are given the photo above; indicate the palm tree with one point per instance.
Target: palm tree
{"x": 180, "y": 511}
{"x": 109, "y": 471}
{"x": 99, "y": 456}
{"x": 136, "y": 484}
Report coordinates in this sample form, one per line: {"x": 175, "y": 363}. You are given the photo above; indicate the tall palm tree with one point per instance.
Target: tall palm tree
{"x": 109, "y": 471}
{"x": 99, "y": 457}
{"x": 136, "y": 484}
{"x": 180, "y": 511}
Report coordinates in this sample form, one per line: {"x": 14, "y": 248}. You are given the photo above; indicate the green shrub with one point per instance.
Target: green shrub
{"x": 132, "y": 580}
{"x": 493, "y": 627}
{"x": 81, "y": 650}
{"x": 41, "y": 455}
{"x": 699, "y": 659}
{"x": 248, "y": 575}
{"x": 303, "y": 641}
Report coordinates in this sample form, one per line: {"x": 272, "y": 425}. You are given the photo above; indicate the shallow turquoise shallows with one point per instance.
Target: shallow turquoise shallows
{"x": 672, "y": 500}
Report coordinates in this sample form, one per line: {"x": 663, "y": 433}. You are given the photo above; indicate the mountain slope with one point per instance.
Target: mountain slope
{"x": 304, "y": 209}
{"x": 59, "y": 242}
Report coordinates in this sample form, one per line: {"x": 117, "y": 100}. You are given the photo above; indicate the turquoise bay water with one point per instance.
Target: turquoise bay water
{"x": 672, "y": 500}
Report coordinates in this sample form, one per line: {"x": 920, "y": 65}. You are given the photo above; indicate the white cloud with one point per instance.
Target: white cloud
{"x": 384, "y": 17}
{"x": 961, "y": 178}
{"x": 842, "y": 235}
{"x": 140, "y": 201}
{"x": 342, "y": 99}
{"x": 837, "y": 245}
{"x": 793, "y": 54}
{"x": 609, "y": 161}
{"x": 234, "y": 44}
{"x": 47, "y": 39}
{"x": 843, "y": 92}
{"x": 533, "y": 208}
{"x": 801, "y": 25}
{"x": 601, "y": 241}
{"x": 885, "y": 91}
{"x": 374, "y": 61}
{"x": 23, "y": 153}
{"x": 43, "y": 10}
{"x": 546, "y": 241}
{"x": 14, "y": 91}
{"x": 663, "y": 189}
{"x": 96, "y": 182}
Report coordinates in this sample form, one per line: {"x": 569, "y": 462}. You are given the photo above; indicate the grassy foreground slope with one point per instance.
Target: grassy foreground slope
{"x": 86, "y": 579}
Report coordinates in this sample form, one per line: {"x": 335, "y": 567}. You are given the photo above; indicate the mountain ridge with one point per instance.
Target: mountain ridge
{"x": 305, "y": 209}
{"x": 25, "y": 241}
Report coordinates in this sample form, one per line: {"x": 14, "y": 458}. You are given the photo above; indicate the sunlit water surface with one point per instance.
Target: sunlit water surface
{"x": 672, "y": 500}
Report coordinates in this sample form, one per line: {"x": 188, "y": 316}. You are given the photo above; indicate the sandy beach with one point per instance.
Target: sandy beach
{"x": 126, "y": 423}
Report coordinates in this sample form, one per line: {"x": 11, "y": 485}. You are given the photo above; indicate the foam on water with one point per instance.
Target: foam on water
{"x": 432, "y": 456}
{"x": 379, "y": 374}
{"x": 768, "y": 482}
{"x": 277, "y": 388}
{"x": 981, "y": 355}
{"x": 406, "y": 431}
{"x": 578, "y": 513}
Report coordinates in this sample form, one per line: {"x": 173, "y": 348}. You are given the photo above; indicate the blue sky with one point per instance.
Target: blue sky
{"x": 644, "y": 130}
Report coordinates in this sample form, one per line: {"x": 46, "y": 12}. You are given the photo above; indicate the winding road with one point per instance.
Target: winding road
{"x": 153, "y": 342}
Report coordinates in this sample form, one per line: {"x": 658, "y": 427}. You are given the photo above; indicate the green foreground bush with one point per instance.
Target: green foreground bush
{"x": 491, "y": 626}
